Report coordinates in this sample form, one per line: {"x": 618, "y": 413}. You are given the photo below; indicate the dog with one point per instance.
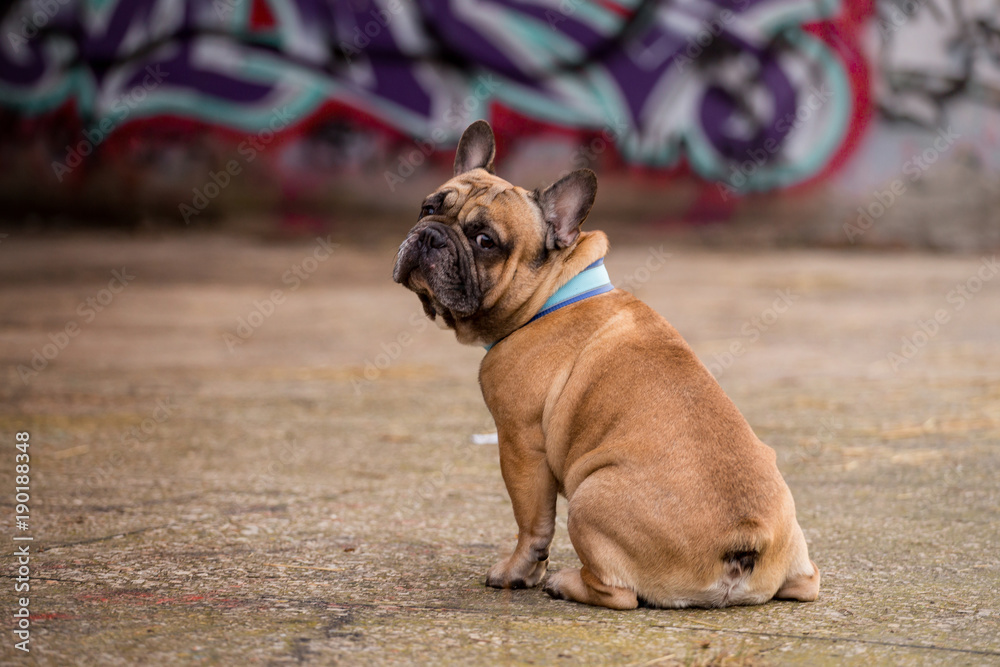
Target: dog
{"x": 673, "y": 501}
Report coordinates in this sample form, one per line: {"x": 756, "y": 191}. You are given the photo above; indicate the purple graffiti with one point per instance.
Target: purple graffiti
{"x": 707, "y": 81}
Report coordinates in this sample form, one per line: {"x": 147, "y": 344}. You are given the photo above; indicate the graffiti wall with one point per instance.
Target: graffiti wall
{"x": 931, "y": 54}
{"x": 757, "y": 93}
{"x": 750, "y": 95}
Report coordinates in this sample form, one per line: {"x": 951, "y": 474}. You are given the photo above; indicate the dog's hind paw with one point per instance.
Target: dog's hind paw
{"x": 582, "y": 586}
{"x": 552, "y": 589}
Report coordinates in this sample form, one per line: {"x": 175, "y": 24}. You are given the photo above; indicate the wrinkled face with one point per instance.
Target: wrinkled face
{"x": 472, "y": 234}
{"x": 482, "y": 248}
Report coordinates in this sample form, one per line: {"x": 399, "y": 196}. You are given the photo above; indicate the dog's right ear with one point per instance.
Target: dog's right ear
{"x": 476, "y": 149}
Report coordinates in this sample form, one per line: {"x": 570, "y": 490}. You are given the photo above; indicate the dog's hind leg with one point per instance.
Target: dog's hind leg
{"x": 803, "y": 587}
{"x": 600, "y": 553}
{"x": 802, "y": 581}
{"x": 583, "y": 586}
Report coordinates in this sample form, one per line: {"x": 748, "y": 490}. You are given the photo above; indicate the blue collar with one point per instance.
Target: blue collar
{"x": 592, "y": 281}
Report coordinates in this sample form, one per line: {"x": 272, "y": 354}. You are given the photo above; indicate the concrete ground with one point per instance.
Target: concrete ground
{"x": 259, "y": 452}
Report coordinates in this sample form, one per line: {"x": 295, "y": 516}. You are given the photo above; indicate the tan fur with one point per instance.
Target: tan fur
{"x": 605, "y": 403}
{"x": 509, "y": 303}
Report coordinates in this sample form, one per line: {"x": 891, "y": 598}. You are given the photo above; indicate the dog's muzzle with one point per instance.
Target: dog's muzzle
{"x": 425, "y": 245}
{"x": 442, "y": 263}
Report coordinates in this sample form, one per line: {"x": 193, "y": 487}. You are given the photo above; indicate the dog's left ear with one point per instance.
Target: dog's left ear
{"x": 476, "y": 149}
{"x": 565, "y": 205}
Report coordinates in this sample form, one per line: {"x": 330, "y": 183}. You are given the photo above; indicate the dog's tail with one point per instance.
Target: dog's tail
{"x": 739, "y": 564}
{"x": 734, "y": 586}
{"x": 733, "y": 581}
{"x": 749, "y": 542}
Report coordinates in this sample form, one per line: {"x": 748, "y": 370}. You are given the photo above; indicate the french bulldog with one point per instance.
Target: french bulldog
{"x": 673, "y": 501}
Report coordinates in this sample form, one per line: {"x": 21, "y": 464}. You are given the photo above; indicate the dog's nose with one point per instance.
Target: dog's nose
{"x": 433, "y": 238}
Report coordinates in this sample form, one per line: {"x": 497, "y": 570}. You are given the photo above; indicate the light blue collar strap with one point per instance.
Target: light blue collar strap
{"x": 592, "y": 281}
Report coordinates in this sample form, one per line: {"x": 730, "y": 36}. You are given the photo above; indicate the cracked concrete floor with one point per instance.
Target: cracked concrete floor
{"x": 253, "y": 453}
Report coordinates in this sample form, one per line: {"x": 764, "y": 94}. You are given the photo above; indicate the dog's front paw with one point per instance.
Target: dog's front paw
{"x": 506, "y": 574}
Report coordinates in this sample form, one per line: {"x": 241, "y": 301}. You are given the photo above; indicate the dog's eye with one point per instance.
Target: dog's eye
{"x": 484, "y": 241}
{"x": 427, "y": 210}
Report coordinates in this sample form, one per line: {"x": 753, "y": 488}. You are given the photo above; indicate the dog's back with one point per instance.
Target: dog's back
{"x": 670, "y": 491}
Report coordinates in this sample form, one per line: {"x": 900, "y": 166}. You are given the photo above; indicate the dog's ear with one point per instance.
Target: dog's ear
{"x": 565, "y": 206}
{"x": 476, "y": 149}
